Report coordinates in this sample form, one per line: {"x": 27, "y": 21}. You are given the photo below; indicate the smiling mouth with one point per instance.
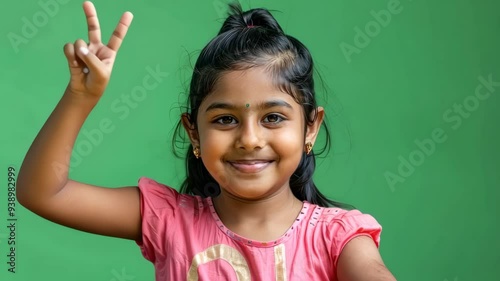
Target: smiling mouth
{"x": 250, "y": 166}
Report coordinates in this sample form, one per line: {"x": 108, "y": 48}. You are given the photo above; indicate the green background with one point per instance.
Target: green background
{"x": 440, "y": 222}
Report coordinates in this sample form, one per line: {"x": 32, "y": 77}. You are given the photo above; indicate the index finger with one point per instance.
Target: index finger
{"x": 120, "y": 31}
{"x": 92, "y": 22}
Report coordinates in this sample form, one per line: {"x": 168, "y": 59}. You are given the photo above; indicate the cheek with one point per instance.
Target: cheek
{"x": 290, "y": 147}
{"x": 212, "y": 144}
{"x": 213, "y": 148}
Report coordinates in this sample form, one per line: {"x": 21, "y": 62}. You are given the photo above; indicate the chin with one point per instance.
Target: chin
{"x": 247, "y": 192}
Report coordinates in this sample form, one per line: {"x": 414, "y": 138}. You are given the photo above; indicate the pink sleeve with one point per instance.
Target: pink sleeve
{"x": 157, "y": 203}
{"x": 349, "y": 225}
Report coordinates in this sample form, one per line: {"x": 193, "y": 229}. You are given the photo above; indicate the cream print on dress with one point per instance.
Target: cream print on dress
{"x": 236, "y": 260}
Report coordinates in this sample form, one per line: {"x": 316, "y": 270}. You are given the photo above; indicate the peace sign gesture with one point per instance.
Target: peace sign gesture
{"x": 91, "y": 65}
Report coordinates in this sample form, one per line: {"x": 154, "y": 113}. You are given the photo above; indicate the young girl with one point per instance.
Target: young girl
{"x": 249, "y": 209}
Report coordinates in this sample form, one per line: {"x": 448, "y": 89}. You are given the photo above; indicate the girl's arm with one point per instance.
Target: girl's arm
{"x": 43, "y": 185}
{"x": 360, "y": 260}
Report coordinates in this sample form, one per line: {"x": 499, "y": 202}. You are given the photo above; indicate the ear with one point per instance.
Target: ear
{"x": 190, "y": 128}
{"x": 313, "y": 129}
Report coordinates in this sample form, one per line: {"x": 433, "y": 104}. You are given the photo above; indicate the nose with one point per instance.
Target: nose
{"x": 250, "y": 136}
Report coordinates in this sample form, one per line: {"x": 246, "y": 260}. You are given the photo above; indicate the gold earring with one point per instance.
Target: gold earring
{"x": 309, "y": 147}
{"x": 196, "y": 152}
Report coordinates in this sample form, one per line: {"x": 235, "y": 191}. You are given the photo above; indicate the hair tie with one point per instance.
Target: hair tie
{"x": 250, "y": 25}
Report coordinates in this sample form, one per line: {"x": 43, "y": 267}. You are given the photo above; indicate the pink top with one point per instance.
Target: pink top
{"x": 184, "y": 238}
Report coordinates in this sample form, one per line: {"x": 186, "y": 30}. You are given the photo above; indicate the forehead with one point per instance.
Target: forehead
{"x": 251, "y": 86}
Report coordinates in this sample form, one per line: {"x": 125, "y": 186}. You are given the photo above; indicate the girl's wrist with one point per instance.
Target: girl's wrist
{"x": 81, "y": 101}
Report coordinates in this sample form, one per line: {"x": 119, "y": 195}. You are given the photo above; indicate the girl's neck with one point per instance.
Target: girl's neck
{"x": 261, "y": 220}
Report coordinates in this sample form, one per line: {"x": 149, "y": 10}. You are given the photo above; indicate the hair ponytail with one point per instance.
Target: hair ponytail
{"x": 255, "y": 18}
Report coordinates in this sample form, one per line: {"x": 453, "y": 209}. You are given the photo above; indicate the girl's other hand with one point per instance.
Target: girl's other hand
{"x": 91, "y": 64}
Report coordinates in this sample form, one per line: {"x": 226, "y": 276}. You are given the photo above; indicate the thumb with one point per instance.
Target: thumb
{"x": 91, "y": 61}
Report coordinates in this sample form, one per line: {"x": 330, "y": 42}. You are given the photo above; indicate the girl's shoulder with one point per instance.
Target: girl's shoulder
{"x": 148, "y": 185}
{"x": 159, "y": 195}
{"x": 341, "y": 225}
{"x": 343, "y": 218}
{"x": 337, "y": 226}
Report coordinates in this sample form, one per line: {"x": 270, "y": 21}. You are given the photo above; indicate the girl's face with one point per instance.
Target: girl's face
{"x": 251, "y": 135}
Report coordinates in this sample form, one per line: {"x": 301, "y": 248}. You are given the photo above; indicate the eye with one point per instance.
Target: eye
{"x": 225, "y": 120}
{"x": 274, "y": 118}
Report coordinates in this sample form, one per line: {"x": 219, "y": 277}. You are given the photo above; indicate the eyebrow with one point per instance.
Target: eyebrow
{"x": 264, "y": 105}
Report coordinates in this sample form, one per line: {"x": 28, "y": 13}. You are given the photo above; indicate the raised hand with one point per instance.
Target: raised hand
{"x": 91, "y": 64}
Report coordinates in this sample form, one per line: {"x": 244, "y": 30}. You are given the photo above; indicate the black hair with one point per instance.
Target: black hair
{"x": 255, "y": 39}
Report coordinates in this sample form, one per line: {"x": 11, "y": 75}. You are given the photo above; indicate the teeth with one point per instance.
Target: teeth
{"x": 252, "y": 163}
